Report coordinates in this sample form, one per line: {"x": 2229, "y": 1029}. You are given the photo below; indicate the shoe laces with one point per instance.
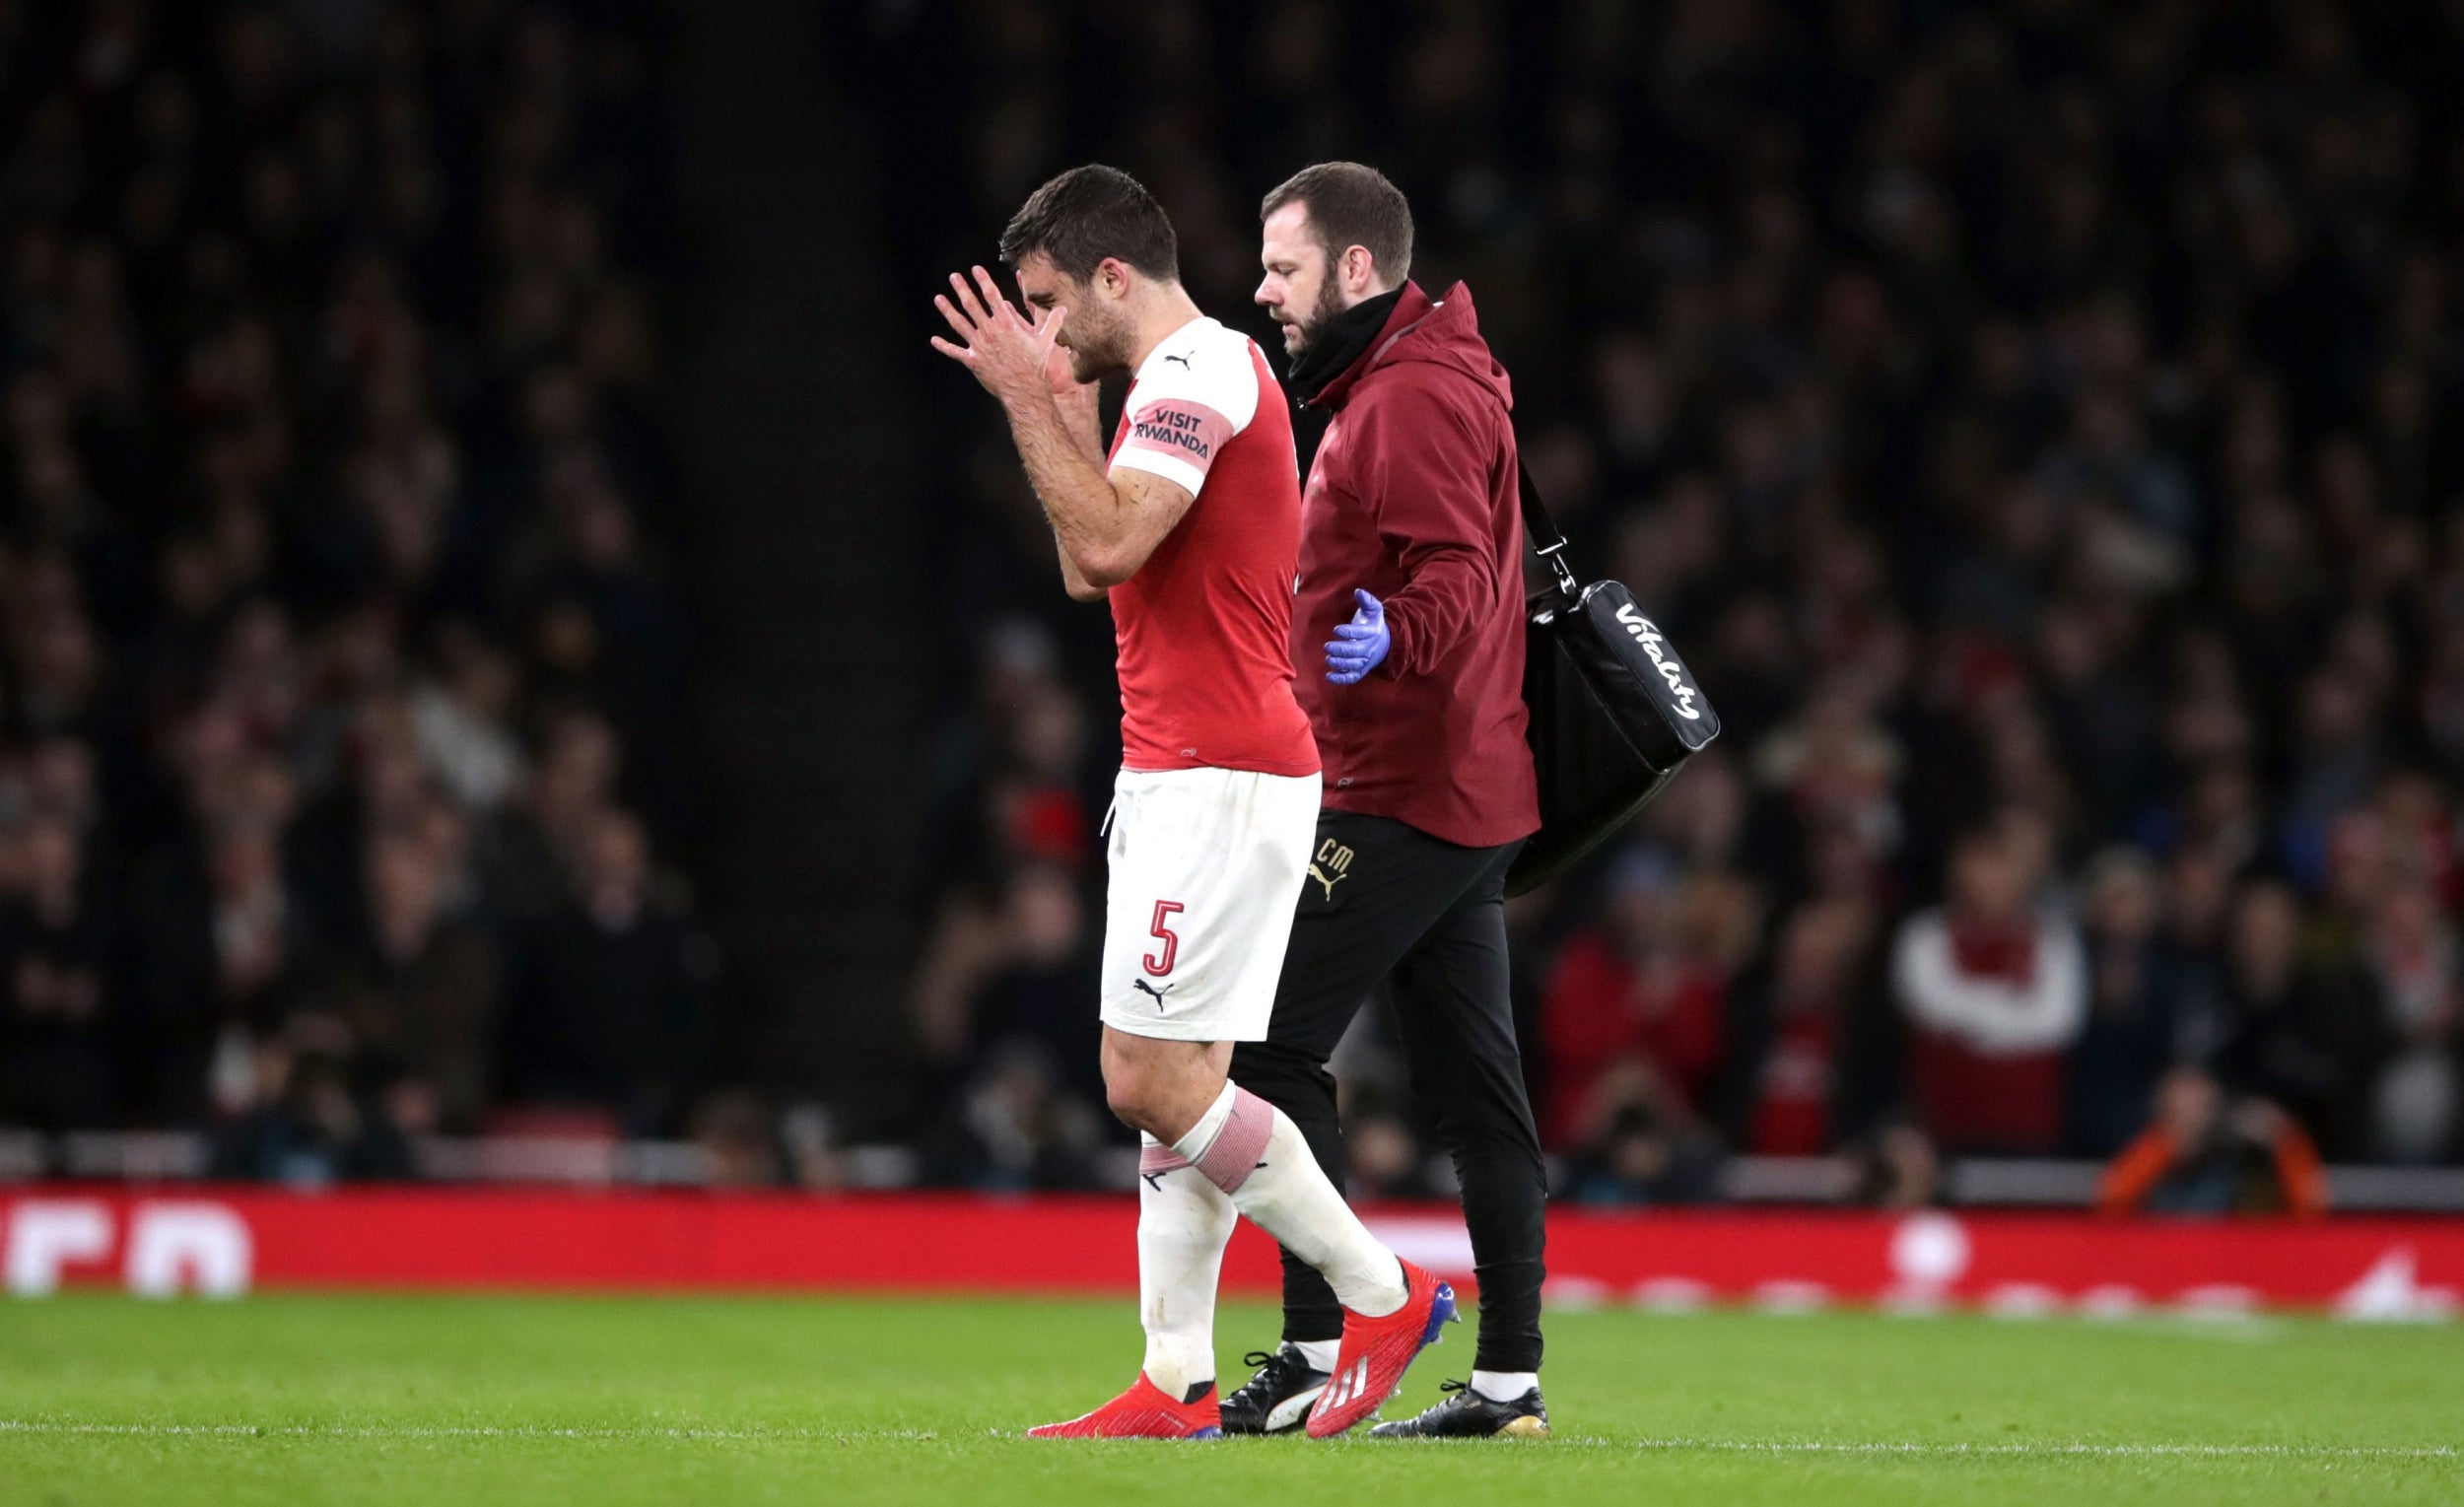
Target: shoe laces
{"x": 1273, "y": 1368}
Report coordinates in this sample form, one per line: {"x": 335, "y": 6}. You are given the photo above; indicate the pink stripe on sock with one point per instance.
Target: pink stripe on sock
{"x": 1234, "y": 1155}
{"x": 1155, "y": 1159}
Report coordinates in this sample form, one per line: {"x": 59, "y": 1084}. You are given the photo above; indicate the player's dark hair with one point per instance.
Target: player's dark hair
{"x": 1350, "y": 205}
{"x": 1088, "y": 214}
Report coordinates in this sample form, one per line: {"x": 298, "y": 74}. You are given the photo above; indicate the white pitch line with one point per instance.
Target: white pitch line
{"x": 2047, "y": 1450}
{"x": 1871, "y": 1448}
{"x": 416, "y": 1431}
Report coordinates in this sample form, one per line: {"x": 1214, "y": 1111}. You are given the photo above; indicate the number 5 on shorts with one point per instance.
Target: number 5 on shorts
{"x": 1160, "y": 964}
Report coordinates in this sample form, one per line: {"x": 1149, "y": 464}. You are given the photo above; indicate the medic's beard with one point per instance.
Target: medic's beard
{"x": 1320, "y": 313}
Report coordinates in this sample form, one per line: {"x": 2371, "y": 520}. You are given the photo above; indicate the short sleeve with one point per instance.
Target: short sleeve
{"x": 1192, "y": 398}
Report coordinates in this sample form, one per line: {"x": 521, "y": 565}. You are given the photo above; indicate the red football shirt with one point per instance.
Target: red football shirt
{"x": 1203, "y": 629}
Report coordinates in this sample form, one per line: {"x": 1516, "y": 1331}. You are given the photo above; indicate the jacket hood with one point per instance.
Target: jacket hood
{"x": 1444, "y": 332}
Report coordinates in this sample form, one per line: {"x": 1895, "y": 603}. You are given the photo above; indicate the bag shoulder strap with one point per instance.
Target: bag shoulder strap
{"x": 1540, "y": 532}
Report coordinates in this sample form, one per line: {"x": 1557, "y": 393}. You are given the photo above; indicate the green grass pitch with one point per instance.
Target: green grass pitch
{"x": 485, "y": 1400}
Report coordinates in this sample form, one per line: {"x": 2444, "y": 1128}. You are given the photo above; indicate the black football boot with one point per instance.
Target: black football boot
{"x": 1278, "y": 1398}
{"x": 1464, "y": 1414}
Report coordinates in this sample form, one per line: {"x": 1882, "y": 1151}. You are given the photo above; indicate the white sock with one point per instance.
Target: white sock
{"x": 1504, "y": 1386}
{"x": 1254, "y": 1153}
{"x": 1184, "y": 1223}
{"x": 1318, "y": 1354}
{"x": 1209, "y": 1127}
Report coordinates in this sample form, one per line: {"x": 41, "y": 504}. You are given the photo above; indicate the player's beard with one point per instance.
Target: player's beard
{"x": 1099, "y": 351}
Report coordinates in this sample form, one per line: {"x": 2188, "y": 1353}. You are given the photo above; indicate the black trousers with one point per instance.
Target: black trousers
{"x": 1386, "y": 902}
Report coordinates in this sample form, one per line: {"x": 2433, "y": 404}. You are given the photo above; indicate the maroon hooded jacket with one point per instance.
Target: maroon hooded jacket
{"x": 1412, "y": 499}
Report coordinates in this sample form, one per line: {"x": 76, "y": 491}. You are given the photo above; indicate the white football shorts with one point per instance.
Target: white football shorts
{"x": 1206, "y": 870}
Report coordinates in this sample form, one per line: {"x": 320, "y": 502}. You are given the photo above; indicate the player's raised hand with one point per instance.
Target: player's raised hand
{"x": 1060, "y": 374}
{"x": 1007, "y": 354}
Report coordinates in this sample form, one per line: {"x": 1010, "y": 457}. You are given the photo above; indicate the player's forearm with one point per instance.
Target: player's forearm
{"x": 1072, "y": 580}
{"x": 1083, "y": 422}
{"x": 1084, "y": 426}
{"x": 1089, "y": 517}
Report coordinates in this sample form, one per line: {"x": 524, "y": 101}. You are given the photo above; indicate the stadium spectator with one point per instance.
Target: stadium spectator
{"x": 60, "y": 1015}
{"x": 1645, "y": 989}
{"x": 1017, "y": 1128}
{"x": 2133, "y": 994}
{"x": 1804, "y": 1018}
{"x": 2410, "y": 951}
{"x": 604, "y": 1008}
{"x": 417, "y": 992}
{"x": 293, "y": 1114}
{"x": 1015, "y": 781}
{"x": 1897, "y": 1167}
{"x": 1383, "y": 1156}
{"x": 222, "y": 951}
{"x": 738, "y": 1139}
{"x": 1994, "y": 987}
{"x": 2209, "y": 1154}
{"x": 2303, "y": 1033}
{"x": 1641, "y": 1144}
{"x": 527, "y": 849}
{"x": 1016, "y": 971}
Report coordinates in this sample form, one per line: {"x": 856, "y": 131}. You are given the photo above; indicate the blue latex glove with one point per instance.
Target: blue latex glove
{"x": 1360, "y": 645}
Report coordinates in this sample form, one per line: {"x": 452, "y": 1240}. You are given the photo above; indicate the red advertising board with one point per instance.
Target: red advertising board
{"x": 231, "y": 1240}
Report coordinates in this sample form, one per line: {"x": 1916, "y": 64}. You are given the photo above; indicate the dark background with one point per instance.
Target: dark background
{"x": 455, "y": 448}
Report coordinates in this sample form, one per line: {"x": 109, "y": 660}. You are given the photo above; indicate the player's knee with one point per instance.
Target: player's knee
{"x": 1162, "y": 1102}
{"x": 1134, "y": 1101}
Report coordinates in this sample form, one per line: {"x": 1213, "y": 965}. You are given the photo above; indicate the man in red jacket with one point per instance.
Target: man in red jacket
{"x": 1408, "y": 643}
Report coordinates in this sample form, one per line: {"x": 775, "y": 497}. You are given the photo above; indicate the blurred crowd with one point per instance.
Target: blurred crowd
{"x": 339, "y": 677}
{"x": 2024, "y": 416}
{"x": 2025, "y": 419}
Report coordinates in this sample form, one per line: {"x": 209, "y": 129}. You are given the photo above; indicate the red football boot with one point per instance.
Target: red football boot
{"x": 1144, "y": 1412}
{"x": 1377, "y": 1351}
